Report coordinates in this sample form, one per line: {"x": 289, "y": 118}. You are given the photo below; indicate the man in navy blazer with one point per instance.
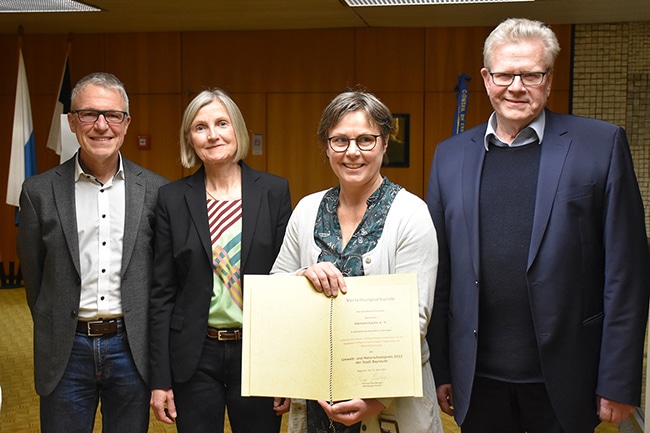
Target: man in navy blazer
{"x": 85, "y": 246}
{"x": 542, "y": 293}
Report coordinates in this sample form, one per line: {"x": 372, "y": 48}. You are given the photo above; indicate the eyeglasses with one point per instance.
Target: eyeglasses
{"x": 530, "y": 79}
{"x": 365, "y": 142}
{"x": 111, "y": 116}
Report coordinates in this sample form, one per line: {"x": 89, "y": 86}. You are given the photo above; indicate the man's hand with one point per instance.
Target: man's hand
{"x": 612, "y": 411}
{"x": 445, "y": 399}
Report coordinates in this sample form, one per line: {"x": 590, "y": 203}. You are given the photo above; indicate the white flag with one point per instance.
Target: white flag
{"x": 23, "y": 152}
{"x": 61, "y": 139}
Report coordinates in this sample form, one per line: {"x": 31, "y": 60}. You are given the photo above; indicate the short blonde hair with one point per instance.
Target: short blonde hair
{"x": 188, "y": 155}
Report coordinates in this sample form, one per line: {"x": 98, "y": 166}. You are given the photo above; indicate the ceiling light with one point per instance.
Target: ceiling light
{"x": 16, "y": 6}
{"x": 360, "y": 3}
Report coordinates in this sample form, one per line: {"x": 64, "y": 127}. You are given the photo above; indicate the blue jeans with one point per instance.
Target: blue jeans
{"x": 99, "y": 368}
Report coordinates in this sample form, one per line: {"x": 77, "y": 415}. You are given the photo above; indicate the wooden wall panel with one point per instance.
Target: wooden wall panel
{"x": 294, "y": 151}
{"x": 9, "y": 70}
{"x": 268, "y": 61}
{"x": 282, "y": 80}
{"x": 411, "y": 103}
{"x": 87, "y": 54}
{"x": 562, "y": 69}
{"x": 7, "y": 228}
{"x": 147, "y": 63}
{"x": 440, "y": 108}
{"x": 451, "y": 51}
{"x": 559, "y": 100}
{"x": 253, "y": 108}
{"x": 159, "y": 117}
{"x": 389, "y": 60}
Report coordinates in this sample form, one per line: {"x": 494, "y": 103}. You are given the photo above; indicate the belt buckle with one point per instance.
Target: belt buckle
{"x": 93, "y": 322}
{"x": 225, "y": 335}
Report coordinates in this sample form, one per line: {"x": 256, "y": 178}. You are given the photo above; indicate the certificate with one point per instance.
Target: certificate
{"x": 364, "y": 344}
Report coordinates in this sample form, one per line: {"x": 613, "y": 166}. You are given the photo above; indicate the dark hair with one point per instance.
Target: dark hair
{"x": 348, "y": 102}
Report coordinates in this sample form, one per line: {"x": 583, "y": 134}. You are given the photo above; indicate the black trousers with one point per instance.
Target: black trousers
{"x": 504, "y": 407}
{"x": 201, "y": 402}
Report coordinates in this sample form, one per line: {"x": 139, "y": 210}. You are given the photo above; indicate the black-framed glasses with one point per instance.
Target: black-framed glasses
{"x": 530, "y": 79}
{"x": 365, "y": 142}
{"x": 111, "y": 116}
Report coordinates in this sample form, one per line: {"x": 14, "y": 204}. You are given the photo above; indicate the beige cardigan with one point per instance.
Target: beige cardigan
{"x": 408, "y": 244}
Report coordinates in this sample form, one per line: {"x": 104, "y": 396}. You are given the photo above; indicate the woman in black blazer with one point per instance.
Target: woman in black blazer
{"x": 224, "y": 221}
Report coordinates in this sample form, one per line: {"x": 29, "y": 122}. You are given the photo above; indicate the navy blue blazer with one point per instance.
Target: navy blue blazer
{"x": 588, "y": 274}
{"x": 183, "y": 275}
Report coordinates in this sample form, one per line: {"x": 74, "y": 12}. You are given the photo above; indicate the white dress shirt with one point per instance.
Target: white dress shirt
{"x": 100, "y": 226}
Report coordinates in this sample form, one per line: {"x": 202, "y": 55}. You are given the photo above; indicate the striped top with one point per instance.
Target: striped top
{"x": 225, "y": 219}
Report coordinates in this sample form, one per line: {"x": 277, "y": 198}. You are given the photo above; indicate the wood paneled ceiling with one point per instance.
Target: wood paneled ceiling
{"x": 121, "y": 16}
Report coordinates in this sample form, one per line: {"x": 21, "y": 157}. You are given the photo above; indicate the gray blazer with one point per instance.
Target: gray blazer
{"x": 48, "y": 248}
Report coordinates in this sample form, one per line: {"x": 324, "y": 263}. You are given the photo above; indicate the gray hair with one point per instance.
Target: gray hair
{"x": 348, "y": 102}
{"x": 515, "y": 30}
{"x": 188, "y": 155}
{"x": 103, "y": 79}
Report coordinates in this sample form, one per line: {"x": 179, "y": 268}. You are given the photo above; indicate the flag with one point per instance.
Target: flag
{"x": 462, "y": 99}
{"x": 23, "y": 152}
{"x": 61, "y": 139}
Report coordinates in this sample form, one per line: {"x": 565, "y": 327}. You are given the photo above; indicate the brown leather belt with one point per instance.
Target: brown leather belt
{"x": 97, "y": 328}
{"x": 224, "y": 334}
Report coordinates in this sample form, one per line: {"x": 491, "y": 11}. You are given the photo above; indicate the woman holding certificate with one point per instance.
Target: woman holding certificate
{"x": 212, "y": 227}
{"x": 366, "y": 225}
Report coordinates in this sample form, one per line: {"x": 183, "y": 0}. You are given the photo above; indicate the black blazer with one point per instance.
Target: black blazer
{"x": 183, "y": 276}
{"x": 587, "y": 272}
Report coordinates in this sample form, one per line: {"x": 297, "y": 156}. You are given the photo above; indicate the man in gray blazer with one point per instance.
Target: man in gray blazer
{"x": 85, "y": 246}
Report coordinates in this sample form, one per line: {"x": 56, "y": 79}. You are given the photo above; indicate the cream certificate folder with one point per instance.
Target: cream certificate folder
{"x": 371, "y": 351}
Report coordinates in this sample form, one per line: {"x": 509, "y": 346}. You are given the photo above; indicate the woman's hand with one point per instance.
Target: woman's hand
{"x": 162, "y": 403}
{"x": 325, "y": 277}
{"x": 352, "y": 411}
{"x": 281, "y": 405}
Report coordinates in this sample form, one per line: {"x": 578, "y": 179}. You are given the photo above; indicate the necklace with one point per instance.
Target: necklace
{"x": 211, "y": 196}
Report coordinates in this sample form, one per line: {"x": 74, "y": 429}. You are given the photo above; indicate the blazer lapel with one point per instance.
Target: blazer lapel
{"x": 473, "y": 157}
{"x": 555, "y": 148}
{"x": 135, "y": 188}
{"x": 64, "y": 200}
{"x": 251, "y": 201}
{"x": 195, "y": 200}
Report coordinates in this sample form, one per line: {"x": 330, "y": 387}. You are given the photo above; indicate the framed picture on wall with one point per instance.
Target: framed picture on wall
{"x": 397, "y": 154}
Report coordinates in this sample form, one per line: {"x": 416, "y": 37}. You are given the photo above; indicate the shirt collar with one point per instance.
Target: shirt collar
{"x": 533, "y": 132}
{"x": 80, "y": 173}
